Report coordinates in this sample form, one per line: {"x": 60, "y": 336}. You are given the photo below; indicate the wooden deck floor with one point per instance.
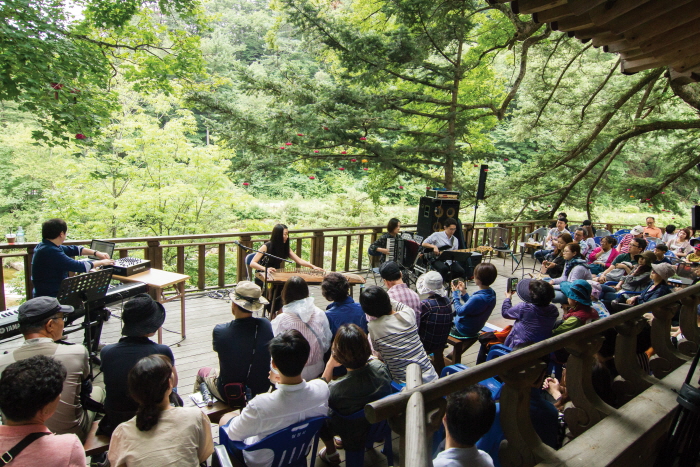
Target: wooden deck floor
{"x": 203, "y": 313}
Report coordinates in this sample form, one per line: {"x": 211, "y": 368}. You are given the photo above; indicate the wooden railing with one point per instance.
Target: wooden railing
{"x": 423, "y": 405}
{"x": 338, "y": 249}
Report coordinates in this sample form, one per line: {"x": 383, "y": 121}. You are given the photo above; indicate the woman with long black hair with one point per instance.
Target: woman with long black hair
{"x": 159, "y": 434}
{"x": 277, "y": 246}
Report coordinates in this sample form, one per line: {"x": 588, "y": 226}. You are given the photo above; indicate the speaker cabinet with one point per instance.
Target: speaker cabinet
{"x": 695, "y": 217}
{"x": 433, "y": 212}
{"x": 481, "y": 189}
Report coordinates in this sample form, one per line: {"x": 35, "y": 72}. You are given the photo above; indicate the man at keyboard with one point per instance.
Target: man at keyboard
{"x": 52, "y": 260}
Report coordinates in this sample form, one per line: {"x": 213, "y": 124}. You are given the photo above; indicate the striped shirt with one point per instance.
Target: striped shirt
{"x": 396, "y": 339}
{"x": 402, "y": 294}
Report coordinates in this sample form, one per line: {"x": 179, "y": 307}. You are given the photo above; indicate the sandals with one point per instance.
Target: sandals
{"x": 333, "y": 459}
{"x": 338, "y": 441}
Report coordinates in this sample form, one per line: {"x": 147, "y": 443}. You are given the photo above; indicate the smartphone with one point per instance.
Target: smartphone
{"x": 457, "y": 281}
{"x": 512, "y": 284}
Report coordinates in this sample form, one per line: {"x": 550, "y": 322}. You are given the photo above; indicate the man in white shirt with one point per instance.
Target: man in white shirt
{"x": 551, "y": 239}
{"x": 294, "y": 400}
{"x": 441, "y": 241}
{"x": 469, "y": 416}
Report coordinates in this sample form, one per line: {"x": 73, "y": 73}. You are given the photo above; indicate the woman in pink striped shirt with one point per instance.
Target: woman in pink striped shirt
{"x": 300, "y": 313}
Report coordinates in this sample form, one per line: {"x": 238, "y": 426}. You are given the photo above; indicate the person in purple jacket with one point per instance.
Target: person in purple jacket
{"x": 534, "y": 316}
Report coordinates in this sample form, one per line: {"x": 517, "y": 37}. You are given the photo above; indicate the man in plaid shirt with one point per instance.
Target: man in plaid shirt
{"x": 436, "y": 315}
{"x": 398, "y": 290}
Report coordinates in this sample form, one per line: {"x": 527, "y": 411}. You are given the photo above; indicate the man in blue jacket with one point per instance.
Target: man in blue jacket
{"x": 52, "y": 260}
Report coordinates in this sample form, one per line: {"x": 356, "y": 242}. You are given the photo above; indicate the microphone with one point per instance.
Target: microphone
{"x": 242, "y": 246}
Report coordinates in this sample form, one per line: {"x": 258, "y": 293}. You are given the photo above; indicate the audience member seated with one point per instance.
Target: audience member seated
{"x": 469, "y": 416}
{"x": 635, "y": 233}
{"x": 624, "y": 262}
{"x": 436, "y": 314}
{"x": 391, "y": 273}
{"x": 294, "y": 400}
{"x": 578, "y": 294}
{"x": 575, "y": 268}
{"x": 472, "y": 312}
{"x": 241, "y": 345}
{"x": 660, "y": 273}
{"x": 586, "y": 244}
{"x": 553, "y": 265}
{"x": 636, "y": 281}
{"x": 680, "y": 246}
{"x": 159, "y": 434}
{"x": 669, "y": 235}
{"x": 550, "y": 241}
{"x": 601, "y": 258}
{"x": 660, "y": 251}
{"x": 365, "y": 382}
{"x": 41, "y": 321}
{"x": 394, "y": 334}
{"x": 534, "y": 316}
{"x": 141, "y": 318}
{"x": 651, "y": 230}
{"x": 694, "y": 257}
{"x": 588, "y": 227}
{"x": 300, "y": 313}
{"x": 342, "y": 309}
{"x": 30, "y": 392}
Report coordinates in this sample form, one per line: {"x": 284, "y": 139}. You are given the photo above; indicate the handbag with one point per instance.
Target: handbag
{"x": 238, "y": 394}
{"x": 14, "y": 451}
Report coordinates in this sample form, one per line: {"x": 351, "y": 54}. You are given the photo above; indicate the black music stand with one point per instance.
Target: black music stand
{"x": 458, "y": 256}
{"x": 80, "y": 291}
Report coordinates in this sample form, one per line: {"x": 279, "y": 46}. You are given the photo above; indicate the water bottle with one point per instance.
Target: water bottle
{"x": 20, "y": 235}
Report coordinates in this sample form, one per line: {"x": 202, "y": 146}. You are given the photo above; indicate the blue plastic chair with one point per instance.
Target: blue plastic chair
{"x": 492, "y": 383}
{"x": 290, "y": 445}
{"x": 651, "y": 245}
{"x": 377, "y": 432}
{"x": 490, "y": 443}
{"x": 622, "y": 232}
{"x": 597, "y": 240}
{"x": 397, "y": 387}
{"x": 498, "y": 350}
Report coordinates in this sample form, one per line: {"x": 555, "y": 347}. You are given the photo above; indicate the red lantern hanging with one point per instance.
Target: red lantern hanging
{"x": 300, "y": 134}
{"x": 362, "y": 138}
{"x": 80, "y": 136}
{"x": 316, "y": 151}
{"x": 312, "y": 177}
{"x": 343, "y": 152}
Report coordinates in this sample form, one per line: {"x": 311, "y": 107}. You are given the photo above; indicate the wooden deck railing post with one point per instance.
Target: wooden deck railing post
{"x": 669, "y": 358}
{"x": 317, "y": 248}
{"x": 28, "y": 286}
{"x": 241, "y": 273}
{"x": 588, "y": 408}
{"x": 222, "y": 265}
{"x": 201, "y": 266}
{"x": 155, "y": 254}
{"x": 523, "y": 447}
{"x": 635, "y": 379}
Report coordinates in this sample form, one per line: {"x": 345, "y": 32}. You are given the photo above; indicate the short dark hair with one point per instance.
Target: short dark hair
{"x": 448, "y": 222}
{"x": 29, "y": 385}
{"x": 562, "y": 214}
{"x": 335, "y": 287}
{"x": 662, "y": 247}
{"x": 640, "y": 242}
{"x": 392, "y": 224}
{"x": 351, "y": 347}
{"x": 294, "y": 289}
{"x": 650, "y": 217}
{"x": 52, "y": 228}
{"x": 375, "y": 301}
{"x": 575, "y": 248}
{"x": 486, "y": 273}
{"x": 670, "y": 228}
{"x": 148, "y": 381}
{"x": 470, "y": 414}
{"x": 290, "y": 351}
{"x": 541, "y": 292}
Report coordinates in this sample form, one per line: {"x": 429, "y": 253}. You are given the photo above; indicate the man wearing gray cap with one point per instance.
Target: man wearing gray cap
{"x": 244, "y": 359}
{"x": 41, "y": 321}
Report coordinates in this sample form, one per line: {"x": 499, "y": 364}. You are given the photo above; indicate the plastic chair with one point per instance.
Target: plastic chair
{"x": 377, "y": 432}
{"x": 597, "y": 240}
{"x": 290, "y": 445}
{"x": 650, "y": 245}
{"x": 370, "y": 269}
{"x": 490, "y": 443}
{"x": 248, "y": 258}
{"x": 602, "y": 233}
{"x": 622, "y": 232}
{"x": 491, "y": 383}
{"x": 498, "y": 350}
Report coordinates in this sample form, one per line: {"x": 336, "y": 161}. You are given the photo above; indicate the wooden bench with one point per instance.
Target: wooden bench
{"x": 95, "y": 444}
{"x": 459, "y": 346}
{"x": 216, "y": 411}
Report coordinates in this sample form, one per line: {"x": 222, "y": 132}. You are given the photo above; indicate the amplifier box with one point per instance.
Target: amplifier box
{"x": 130, "y": 266}
{"x": 442, "y": 194}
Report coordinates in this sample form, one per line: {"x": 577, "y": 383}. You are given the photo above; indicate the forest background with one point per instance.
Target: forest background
{"x": 178, "y": 117}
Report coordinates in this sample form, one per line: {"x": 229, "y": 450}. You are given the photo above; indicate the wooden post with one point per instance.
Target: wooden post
{"x": 201, "y": 267}
{"x": 360, "y": 251}
{"x": 317, "y": 248}
{"x": 588, "y": 408}
{"x": 155, "y": 254}
{"x": 348, "y": 244}
{"x": 28, "y": 285}
{"x": 635, "y": 379}
{"x": 523, "y": 447}
{"x": 181, "y": 260}
{"x": 222, "y": 264}
{"x": 334, "y": 253}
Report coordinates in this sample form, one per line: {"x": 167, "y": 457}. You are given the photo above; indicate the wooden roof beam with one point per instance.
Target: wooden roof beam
{"x": 692, "y": 76}
{"x": 526, "y": 7}
{"x": 572, "y": 8}
{"x": 662, "y": 40}
{"x": 669, "y": 56}
{"x": 643, "y": 14}
{"x": 572, "y": 23}
{"x": 605, "y": 13}
{"x": 689, "y": 44}
{"x": 618, "y": 46}
{"x": 681, "y": 63}
{"x": 687, "y": 63}
{"x": 668, "y": 21}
